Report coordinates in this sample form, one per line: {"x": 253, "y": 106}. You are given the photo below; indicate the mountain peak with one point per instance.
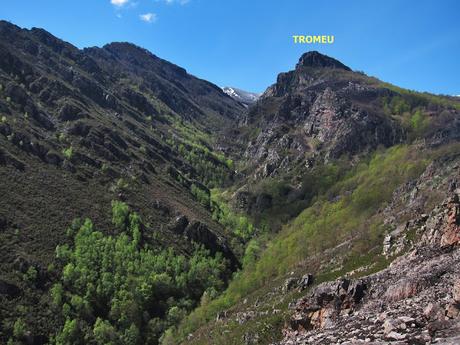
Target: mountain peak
{"x": 316, "y": 59}
{"x": 242, "y": 96}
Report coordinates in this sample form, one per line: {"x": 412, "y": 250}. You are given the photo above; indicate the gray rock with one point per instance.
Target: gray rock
{"x": 289, "y": 284}
{"x": 305, "y": 281}
{"x": 456, "y": 290}
{"x": 9, "y": 290}
{"x": 70, "y": 112}
{"x": 389, "y": 326}
{"x": 395, "y": 336}
{"x": 179, "y": 224}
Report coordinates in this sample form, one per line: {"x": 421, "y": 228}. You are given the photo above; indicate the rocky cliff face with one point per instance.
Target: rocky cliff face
{"x": 414, "y": 301}
{"x": 319, "y": 112}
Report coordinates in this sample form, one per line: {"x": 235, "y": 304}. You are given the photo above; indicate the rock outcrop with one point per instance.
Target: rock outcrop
{"x": 9, "y": 290}
{"x": 413, "y": 301}
{"x": 317, "y": 112}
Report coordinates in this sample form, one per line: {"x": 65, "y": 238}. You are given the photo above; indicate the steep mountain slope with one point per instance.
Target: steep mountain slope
{"x": 338, "y": 168}
{"x": 321, "y": 113}
{"x": 80, "y": 128}
{"x": 330, "y": 174}
{"x": 414, "y": 301}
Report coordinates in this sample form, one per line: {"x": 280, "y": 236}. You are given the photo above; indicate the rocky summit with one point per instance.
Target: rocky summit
{"x": 143, "y": 205}
{"x": 316, "y": 59}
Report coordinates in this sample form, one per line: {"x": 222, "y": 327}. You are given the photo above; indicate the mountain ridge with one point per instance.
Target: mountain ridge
{"x": 242, "y": 96}
{"x": 83, "y": 128}
{"x": 307, "y": 182}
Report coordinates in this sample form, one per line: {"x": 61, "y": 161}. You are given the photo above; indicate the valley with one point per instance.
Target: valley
{"x": 143, "y": 205}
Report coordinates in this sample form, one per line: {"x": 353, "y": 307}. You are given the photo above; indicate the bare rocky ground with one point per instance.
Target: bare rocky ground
{"x": 416, "y": 300}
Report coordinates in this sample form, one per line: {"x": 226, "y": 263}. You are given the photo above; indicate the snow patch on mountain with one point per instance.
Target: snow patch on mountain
{"x": 242, "y": 96}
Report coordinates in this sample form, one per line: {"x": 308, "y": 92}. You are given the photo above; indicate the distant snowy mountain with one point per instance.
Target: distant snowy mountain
{"x": 242, "y": 96}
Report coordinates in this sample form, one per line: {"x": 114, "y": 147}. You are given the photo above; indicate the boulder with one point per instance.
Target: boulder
{"x": 305, "y": 281}
{"x": 326, "y": 303}
{"x": 453, "y": 310}
{"x": 433, "y": 311}
{"x": 357, "y": 290}
{"x": 289, "y": 284}
{"x": 199, "y": 232}
{"x": 395, "y": 336}
{"x": 70, "y": 112}
{"x": 389, "y": 326}
{"x": 456, "y": 291}
{"x": 52, "y": 157}
{"x": 179, "y": 224}
{"x": 404, "y": 289}
{"x": 161, "y": 207}
{"x": 9, "y": 290}
{"x": 451, "y": 234}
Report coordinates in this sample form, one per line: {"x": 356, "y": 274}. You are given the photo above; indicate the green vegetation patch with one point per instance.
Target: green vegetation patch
{"x": 116, "y": 289}
{"x": 351, "y": 215}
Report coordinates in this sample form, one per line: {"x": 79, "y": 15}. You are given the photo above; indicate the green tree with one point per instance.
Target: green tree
{"x": 69, "y": 334}
{"x": 120, "y": 212}
{"x": 105, "y": 333}
{"x": 19, "y": 328}
{"x": 112, "y": 284}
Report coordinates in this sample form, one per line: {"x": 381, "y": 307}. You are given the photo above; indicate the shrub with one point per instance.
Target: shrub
{"x": 62, "y": 137}
{"x": 31, "y": 275}
{"x": 419, "y": 122}
{"x": 19, "y": 328}
{"x": 239, "y": 224}
{"x": 105, "y": 333}
{"x": 57, "y": 294}
{"x": 200, "y": 194}
{"x": 251, "y": 253}
{"x": 120, "y": 213}
{"x": 68, "y": 152}
{"x": 69, "y": 334}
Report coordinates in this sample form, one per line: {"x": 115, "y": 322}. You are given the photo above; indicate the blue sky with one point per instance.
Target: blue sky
{"x": 246, "y": 43}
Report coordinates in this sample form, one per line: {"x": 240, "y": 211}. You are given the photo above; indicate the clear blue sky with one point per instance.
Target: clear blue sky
{"x": 246, "y": 43}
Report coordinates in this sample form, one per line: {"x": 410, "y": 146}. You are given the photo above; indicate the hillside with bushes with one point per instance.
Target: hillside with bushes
{"x": 142, "y": 205}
